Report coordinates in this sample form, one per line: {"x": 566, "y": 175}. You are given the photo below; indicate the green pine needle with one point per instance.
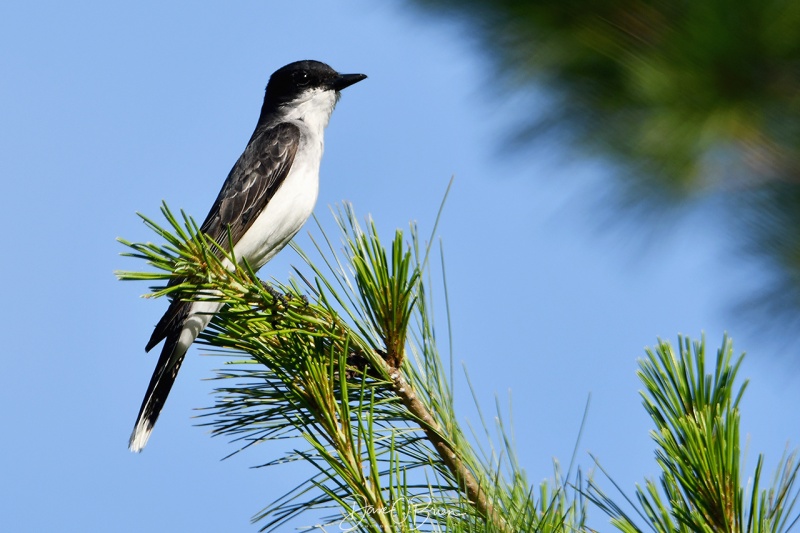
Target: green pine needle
{"x": 346, "y": 361}
{"x": 695, "y": 408}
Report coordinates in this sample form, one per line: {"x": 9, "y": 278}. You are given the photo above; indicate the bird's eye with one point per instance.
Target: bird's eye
{"x": 301, "y": 78}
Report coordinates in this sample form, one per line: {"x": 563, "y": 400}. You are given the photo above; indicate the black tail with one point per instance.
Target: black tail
{"x": 170, "y": 328}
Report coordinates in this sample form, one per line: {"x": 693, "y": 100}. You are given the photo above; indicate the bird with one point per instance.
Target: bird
{"x": 267, "y": 197}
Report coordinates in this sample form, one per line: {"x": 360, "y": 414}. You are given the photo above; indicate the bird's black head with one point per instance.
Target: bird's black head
{"x": 290, "y": 82}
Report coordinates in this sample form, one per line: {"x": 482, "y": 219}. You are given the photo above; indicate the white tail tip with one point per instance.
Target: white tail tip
{"x": 140, "y": 435}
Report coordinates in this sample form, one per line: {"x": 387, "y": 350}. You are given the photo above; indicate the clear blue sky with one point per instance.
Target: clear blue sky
{"x": 108, "y": 109}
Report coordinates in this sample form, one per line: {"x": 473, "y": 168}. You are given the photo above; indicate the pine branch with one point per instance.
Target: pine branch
{"x": 696, "y": 412}
{"x": 346, "y": 359}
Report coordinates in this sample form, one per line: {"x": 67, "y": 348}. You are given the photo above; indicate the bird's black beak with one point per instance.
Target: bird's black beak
{"x": 343, "y": 81}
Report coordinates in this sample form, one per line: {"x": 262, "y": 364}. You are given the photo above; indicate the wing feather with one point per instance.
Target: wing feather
{"x": 251, "y": 184}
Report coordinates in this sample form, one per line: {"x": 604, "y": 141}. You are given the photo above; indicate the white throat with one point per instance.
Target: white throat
{"x": 314, "y": 108}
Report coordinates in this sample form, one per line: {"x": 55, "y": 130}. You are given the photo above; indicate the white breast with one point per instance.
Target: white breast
{"x": 294, "y": 200}
{"x": 286, "y": 212}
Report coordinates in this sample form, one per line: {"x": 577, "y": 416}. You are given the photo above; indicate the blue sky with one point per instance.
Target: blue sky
{"x": 108, "y": 109}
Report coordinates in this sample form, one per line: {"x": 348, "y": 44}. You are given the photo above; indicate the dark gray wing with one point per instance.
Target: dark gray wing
{"x": 250, "y": 185}
{"x": 252, "y": 182}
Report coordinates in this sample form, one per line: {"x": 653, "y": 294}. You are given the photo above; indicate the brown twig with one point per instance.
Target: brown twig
{"x": 454, "y": 463}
